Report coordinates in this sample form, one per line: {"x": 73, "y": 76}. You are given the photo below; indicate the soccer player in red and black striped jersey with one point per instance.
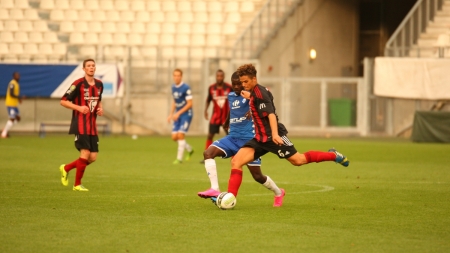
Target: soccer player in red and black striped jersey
{"x": 84, "y": 98}
{"x": 218, "y": 94}
{"x": 270, "y": 135}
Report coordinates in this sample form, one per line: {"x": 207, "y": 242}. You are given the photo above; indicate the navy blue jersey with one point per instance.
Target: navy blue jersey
{"x": 240, "y": 126}
{"x": 181, "y": 94}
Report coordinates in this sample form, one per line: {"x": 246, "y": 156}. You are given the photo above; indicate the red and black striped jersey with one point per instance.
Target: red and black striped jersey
{"x": 83, "y": 94}
{"x": 219, "y": 96}
{"x": 261, "y": 105}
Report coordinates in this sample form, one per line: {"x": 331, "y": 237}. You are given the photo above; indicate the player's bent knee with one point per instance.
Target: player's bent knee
{"x": 298, "y": 159}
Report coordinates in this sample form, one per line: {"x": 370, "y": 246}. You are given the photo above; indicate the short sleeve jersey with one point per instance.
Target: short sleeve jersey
{"x": 181, "y": 94}
{"x": 12, "y": 94}
{"x": 241, "y": 127}
{"x": 83, "y": 94}
{"x": 218, "y": 95}
{"x": 261, "y": 105}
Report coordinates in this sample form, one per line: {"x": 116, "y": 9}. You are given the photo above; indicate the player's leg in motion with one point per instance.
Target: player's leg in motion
{"x": 86, "y": 158}
{"x": 210, "y": 165}
{"x": 318, "y": 156}
{"x": 243, "y": 156}
{"x": 267, "y": 182}
{"x": 14, "y": 118}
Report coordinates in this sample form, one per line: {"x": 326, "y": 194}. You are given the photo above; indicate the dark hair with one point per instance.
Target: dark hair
{"x": 234, "y": 76}
{"x": 14, "y": 73}
{"x": 247, "y": 70}
{"x": 220, "y": 71}
{"x": 84, "y": 62}
{"x": 179, "y": 70}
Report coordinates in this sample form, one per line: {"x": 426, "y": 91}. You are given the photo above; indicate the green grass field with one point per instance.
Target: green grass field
{"x": 394, "y": 197}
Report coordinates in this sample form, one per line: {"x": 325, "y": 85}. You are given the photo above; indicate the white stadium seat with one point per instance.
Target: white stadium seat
{"x": 182, "y": 40}
{"x": 142, "y": 16}
{"x": 109, "y": 27}
{"x": 153, "y": 6}
{"x": 76, "y": 38}
{"x": 233, "y": 17}
{"x": 215, "y": 17}
{"x": 184, "y": 6}
{"x": 31, "y": 49}
{"x": 169, "y": 6}
{"x": 15, "y": 48}
{"x": 4, "y": 49}
{"x": 199, "y": 6}
{"x": 85, "y": 15}
{"x": 40, "y": 25}
{"x": 7, "y": 4}
{"x": 6, "y": 36}
{"x": 214, "y": 6}
{"x": 198, "y": 28}
{"x": 127, "y": 16}
{"x": 196, "y": 52}
{"x": 4, "y": 14}
{"x": 213, "y": 40}
{"x": 197, "y": 40}
{"x": 71, "y": 15}
{"x": 60, "y": 49}
{"x": 247, "y": 6}
{"x": 82, "y": 26}
{"x": 21, "y": 37}
{"x": 45, "y": 49}
{"x": 16, "y": 14}
{"x": 120, "y": 39}
{"x": 62, "y": 4}
{"x": 232, "y": 6}
{"x": 135, "y": 39}
{"x": 112, "y": 15}
{"x": 114, "y": 51}
{"x": 50, "y": 37}
{"x": 99, "y": 16}
{"x": 91, "y": 38}
{"x": 47, "y": 4}
{"x": 121, "y": 5}
{"x": 31, "y": 14}
{"x": 172, "y": 16}
{"x": 76, "y": 5}
{"x": 154, "y": 28}
{"x": 157, "y": 17}
{"x": 105, "y": 38}
{"x": 11, "y": 25}
{"x": 149, "y": 51}
{"x": 92, "y": 5}
{"x": 168, "y": 52}
{"x": 187, "y": 17}
{"x": 66, "y": 26}
{"x": 201, "y": 17}
{"x": 167, "y": 40}
{"x": 36, "y": 37}
{"x": 138, "y": 5}
{"x": 183, "y": 28}
{"x": 21, "y": 4}
{"x": 229, "y": 29}
{"x": 168, "y": 28}
{"x": 106, "y": 5}
{"x": 151, "y": 39}
{"x": 213, "y": 28}
{"x": 211, "y": 52}
{"x": 1, "y": 26}
{"x": 57, "y": 15}
{"x": 88, "y": 51}
{"x": 123, "y": 27}
{"x": 137, "y": 27}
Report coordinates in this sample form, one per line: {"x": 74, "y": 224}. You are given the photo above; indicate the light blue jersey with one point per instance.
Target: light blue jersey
{"x": 181, "y": 94}
{"x": 240, "y": 126}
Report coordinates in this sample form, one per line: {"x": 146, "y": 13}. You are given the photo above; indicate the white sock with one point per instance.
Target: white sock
{"x": 210, "y": 166}
{"x": 181, "y": 145}
{"x": 187, "y": 146}
{"x": 8, "y": 126}
{"x": 270, "y": 184}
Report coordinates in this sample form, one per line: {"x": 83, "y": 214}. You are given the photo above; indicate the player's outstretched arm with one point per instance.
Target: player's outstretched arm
{"x": 70, "y": 105}
{"x": 274, "y": 127}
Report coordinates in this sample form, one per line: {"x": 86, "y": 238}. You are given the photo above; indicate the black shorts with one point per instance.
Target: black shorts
{"x": 84, "y": 141}
{"x": 261, "y": 148}
{"x": 214, "y": 128}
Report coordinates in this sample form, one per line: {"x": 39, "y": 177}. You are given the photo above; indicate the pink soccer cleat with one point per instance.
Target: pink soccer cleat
{"x": 278, "y": 200}
{"x": 209, "y": 193}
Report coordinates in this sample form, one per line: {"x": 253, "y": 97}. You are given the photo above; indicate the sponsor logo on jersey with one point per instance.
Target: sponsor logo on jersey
{"x": 71, "y": 89}
{"x": 262, "y": 105}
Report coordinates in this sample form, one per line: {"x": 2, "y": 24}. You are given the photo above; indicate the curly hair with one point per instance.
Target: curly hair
{"x": 247, "y": 70}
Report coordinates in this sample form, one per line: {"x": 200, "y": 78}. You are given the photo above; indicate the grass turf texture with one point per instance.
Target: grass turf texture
{"x": 394, "y": 197}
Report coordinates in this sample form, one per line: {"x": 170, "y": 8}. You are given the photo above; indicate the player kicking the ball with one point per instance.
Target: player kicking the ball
{"x": 241, "y": 129}
{"x": 84, "y": 98}
{"x": 270, "y": 135}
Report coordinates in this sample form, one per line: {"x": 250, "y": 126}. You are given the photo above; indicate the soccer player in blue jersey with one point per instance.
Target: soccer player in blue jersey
{"x": 181, "y": 115}
{"x": 241, "y": 130}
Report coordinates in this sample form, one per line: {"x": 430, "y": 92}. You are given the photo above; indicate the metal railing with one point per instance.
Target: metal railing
{"x": 408, "y": 32}
{"x": 263, "y": 27}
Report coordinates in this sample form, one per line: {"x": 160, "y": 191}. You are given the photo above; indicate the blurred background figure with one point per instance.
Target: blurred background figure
{"x": 12, "y": 102}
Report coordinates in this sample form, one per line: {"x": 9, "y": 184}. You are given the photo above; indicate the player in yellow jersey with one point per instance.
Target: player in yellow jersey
{"x": 12, "y": 101}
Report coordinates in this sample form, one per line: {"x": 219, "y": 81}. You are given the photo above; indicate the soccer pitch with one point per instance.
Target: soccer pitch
{"x": 394, "y": 197}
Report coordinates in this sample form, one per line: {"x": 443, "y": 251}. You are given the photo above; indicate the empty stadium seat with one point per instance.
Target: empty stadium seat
{"x": 198, "y": 28}
{"x": 123, "y": 27}
{"x": 76, "y": 38}
{"x": 57, "y": 15}
{"x": 99, "y": 15}
{"x": 7, "y": 4}
{"x": 233, "y": 17}
{"x": 15, "y": 48}
{"x": 6, "y": 36}
{"x": 169, "y": 6}
{"x": 229, "y": 29}
{"x": 215, "y": 17}
{"x": 11, "y": 25}
{"x": 109, "y": 27}
{"x": 214, "y": 6}
{"x": 31, "y": 14}
{"x": 247, "y": 6}
{"x": 1, "y": 26}
{"x": 30, "y": 49}
{"x": 66, "y": 26}
{"x": 4, "y": 14}
{"x": 201, "y": 17}
{"x": 82, "y": 26}
{"x": 197, "y": 40}
{"x": 106, "y": 5}
{"x": 151, "y": 39}
{"x": 120, "y": 39}
{"x": 137, "y": 27}
{"x": 214, "y": 40}
{"x": 45, "y": 49}
{"x": 47, "y": 4}
{"x": 121, "y": 5}
{"x": 76, "y": 5}
{"x": 153, "y": 6}
{"x": 114, "y": 52}
{"x": 149, "y": 51}
{"x": 3, "y": 49}
{"x": 62, "y": 4}
{"x": 50, "y": 37}
{"x": 183, "y": 28}
{"x": 105, "y": 38}
{"x": 182, "y": 40}
{"x": 135, "y": 39}
{"x": 142, "y": 16}
{"x": 127, "y": 16}
{"x": 184, "y": 6}
{"x": 91, "y": 5}
{"x": 153, "y": 28}
{"x": 21, "y": 4}
{"x": 21, "y": 37}
{"x": 91, "y": 38}
{"x": 40, "y": 25}
{"x": 211, "y": 52}
{"x": 59, "y": 52}
{"x": 196, "y": 52}
{"x": 168, "y": 28}
{"x": 87, "y": 51}
{"x": 25, "y": 25}
{"x": 85, "y": 15}
{"x": 214, "y": 28}
{"x": 157, "y": 17}
{"x": 35, "y": 37}
{"x": 71, "y": 15}
{"x": 187, "y": 17}
{"x": 16, "y": 14}
{"x": 113, "y": 15}
{"x": 172, "y": 16}
{"x": 168, "y": 52}
{"x": 137, "y": 5}
{"x": 199, "y": 6}
{"x": 167, "y": 39}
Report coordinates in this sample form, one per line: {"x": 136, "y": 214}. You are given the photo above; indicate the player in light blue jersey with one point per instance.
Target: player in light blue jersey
{"x": 241, "y": 130}
{"x": 181, "y": 115}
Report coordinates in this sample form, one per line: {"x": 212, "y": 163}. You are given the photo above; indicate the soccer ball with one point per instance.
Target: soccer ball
{"x": 226, "y": 200}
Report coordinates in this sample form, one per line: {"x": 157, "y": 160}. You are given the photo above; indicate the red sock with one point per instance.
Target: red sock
{"x": 71, "y": 166}
{"x": 208, "y": 142}
{"x": 81, "y": 166}
{"x": 319, "y": 156}
{"x": 235, "y": 181}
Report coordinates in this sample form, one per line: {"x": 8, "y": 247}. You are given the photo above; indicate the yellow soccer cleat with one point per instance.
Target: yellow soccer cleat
{"x": 80, "y": 188}
{"x": 64, "y": 174}
{"x": 189, "y": 155}
{"x": 176, "y": 162}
